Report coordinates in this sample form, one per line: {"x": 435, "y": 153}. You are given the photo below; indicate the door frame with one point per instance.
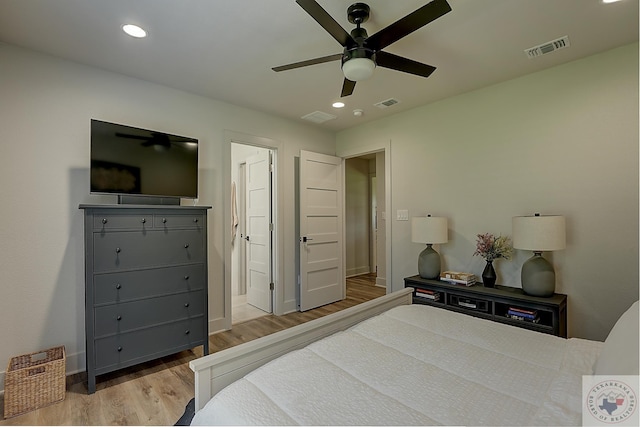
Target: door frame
{"x": 373, "y": 221}
{"x": 232, "y": 137}
{"x": 377, "y": 147}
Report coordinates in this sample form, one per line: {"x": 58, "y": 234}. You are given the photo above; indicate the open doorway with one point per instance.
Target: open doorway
{"x": 365, "y": 251}
{"x": 252, "y": 259}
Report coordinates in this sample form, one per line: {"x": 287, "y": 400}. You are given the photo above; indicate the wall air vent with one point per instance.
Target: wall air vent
{"x": 543, "y": 49}
{"x": 319, "y": 117}
{"x": 387, "y": 103}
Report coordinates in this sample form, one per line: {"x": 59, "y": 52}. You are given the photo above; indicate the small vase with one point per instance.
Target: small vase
{"x": 489, "y": 275}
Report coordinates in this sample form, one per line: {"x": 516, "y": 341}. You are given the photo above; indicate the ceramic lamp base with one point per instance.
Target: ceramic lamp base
{"x": 538, "y": 277}
{"x": 429, "y": 263}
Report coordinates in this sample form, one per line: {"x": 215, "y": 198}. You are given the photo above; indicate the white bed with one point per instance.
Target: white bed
{"x": 410, "y": 365}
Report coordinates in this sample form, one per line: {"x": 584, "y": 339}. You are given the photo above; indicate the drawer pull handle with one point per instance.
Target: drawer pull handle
{"x": 195, "y": 219}
{"x": 186, "y": 277}
{"x": 186, "y": 245}
{"x": 143, "y": 220}
{"x": 187, "y": 332}
{"x": 186, "y": 304}
{"x": 117, "y": 250}
{"x": 104, "y": 220}
{"x": 164, "y": 220}
{"x": 119, "y": 348}
{"x": 118, "y": 286}
{"x": 119, "y": 318}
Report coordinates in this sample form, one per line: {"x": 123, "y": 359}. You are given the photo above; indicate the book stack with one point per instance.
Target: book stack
{"x": 426, "y": 293}
{"x": 458, "y": 278}
{"x": 523, "y": 314}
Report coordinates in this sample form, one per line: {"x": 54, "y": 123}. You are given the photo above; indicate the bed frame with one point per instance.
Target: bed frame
{"x": 215, "y": 371}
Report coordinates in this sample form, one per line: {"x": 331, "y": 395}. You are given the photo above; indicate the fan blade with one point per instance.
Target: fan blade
{"x": 410, "y": 23}
{"x": 398, "y": 63}
{"x": 347, "y": 87}
{"x": 308, "y": 62}
{"x": 126, "y": 135}
{"x": 327, "y": 22}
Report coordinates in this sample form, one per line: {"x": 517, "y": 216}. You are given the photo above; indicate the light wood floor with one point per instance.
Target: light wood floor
{"x": 155, "y": 393}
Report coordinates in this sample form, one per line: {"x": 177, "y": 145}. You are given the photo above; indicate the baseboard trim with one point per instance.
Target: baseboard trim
{"x": 356, "y": 271}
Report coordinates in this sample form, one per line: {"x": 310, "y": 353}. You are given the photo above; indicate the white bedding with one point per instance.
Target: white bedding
{"x": 415, "y": 365}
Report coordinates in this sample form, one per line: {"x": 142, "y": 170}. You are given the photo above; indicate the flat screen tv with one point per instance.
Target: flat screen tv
{"x": 127, "y": 160}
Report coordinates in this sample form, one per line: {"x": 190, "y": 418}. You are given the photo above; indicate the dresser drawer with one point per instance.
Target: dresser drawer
{"x": 178, "y": 221}
{"x": 130, "y": 221}
{"x": 126, "y": 250}
{"x": 125, "y": 349}
{"x": 126, "y": 286}
{"x": 126, "y": 316}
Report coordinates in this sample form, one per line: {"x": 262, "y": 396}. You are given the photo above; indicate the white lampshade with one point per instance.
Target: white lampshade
{"x": 429, "y": 229}
{"x": 357, "y": 69}
{"x": 539, "y": 233}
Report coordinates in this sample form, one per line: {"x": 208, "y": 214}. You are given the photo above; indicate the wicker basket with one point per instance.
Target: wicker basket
{"x": 34, "y": 380}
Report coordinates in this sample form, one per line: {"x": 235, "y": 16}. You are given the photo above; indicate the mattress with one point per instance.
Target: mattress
{"x": 415, "y": 365}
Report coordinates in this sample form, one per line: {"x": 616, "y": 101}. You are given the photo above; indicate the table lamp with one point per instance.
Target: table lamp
{"x": 430, "y": 230}
{"x": 538, "y": 233}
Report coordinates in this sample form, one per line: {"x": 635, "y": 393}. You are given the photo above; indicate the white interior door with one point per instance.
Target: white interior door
{"x": 258, "y": 230}
{"x": 321, "y": 230}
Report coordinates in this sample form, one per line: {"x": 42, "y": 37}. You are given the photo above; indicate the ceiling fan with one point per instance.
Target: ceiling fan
{"x": 362, "y": 53}
{"x": 157, "y": 140}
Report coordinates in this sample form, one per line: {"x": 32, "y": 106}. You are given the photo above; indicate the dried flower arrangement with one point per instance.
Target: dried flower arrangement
{"x": 490, "y": 247}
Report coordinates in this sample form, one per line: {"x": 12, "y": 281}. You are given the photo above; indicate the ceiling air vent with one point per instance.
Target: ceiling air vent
{"x": 319, "y": 117}
{"x": 386, "y": 104}
{"x": 543, "y": 49}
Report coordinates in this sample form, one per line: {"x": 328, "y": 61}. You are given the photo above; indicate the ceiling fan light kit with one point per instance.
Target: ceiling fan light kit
{"x": 363, "y": 53}
{"x": 358, "y": 69}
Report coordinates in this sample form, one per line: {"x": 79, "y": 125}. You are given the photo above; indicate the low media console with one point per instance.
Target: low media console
{"x": 500, "y": 304}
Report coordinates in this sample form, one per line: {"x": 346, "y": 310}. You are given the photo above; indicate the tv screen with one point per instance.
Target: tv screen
{"x": 129, "y": 160}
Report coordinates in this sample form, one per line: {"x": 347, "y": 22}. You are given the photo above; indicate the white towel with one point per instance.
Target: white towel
{"x": 234, "y": 212}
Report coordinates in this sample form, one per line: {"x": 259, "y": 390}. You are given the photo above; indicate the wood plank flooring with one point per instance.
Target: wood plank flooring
{"x": 155, "y": 393}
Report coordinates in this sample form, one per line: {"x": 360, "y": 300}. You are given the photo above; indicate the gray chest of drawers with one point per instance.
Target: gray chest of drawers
{"x": 145, "y": 284}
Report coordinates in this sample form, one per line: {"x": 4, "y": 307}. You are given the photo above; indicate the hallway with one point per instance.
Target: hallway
{"x": 359, "y": 288}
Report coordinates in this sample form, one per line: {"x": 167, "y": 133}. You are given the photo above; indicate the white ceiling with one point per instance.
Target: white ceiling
{"x": 225, "y": 49}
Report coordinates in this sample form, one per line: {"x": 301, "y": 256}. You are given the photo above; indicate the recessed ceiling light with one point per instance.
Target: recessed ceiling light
{"x": 610, "y": 1}
{"x": 338, "y": 104}
{"x": 134, "y": 31}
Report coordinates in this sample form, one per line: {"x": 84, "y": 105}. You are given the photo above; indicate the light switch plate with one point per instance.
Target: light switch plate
{"x": 402, "y": 215}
